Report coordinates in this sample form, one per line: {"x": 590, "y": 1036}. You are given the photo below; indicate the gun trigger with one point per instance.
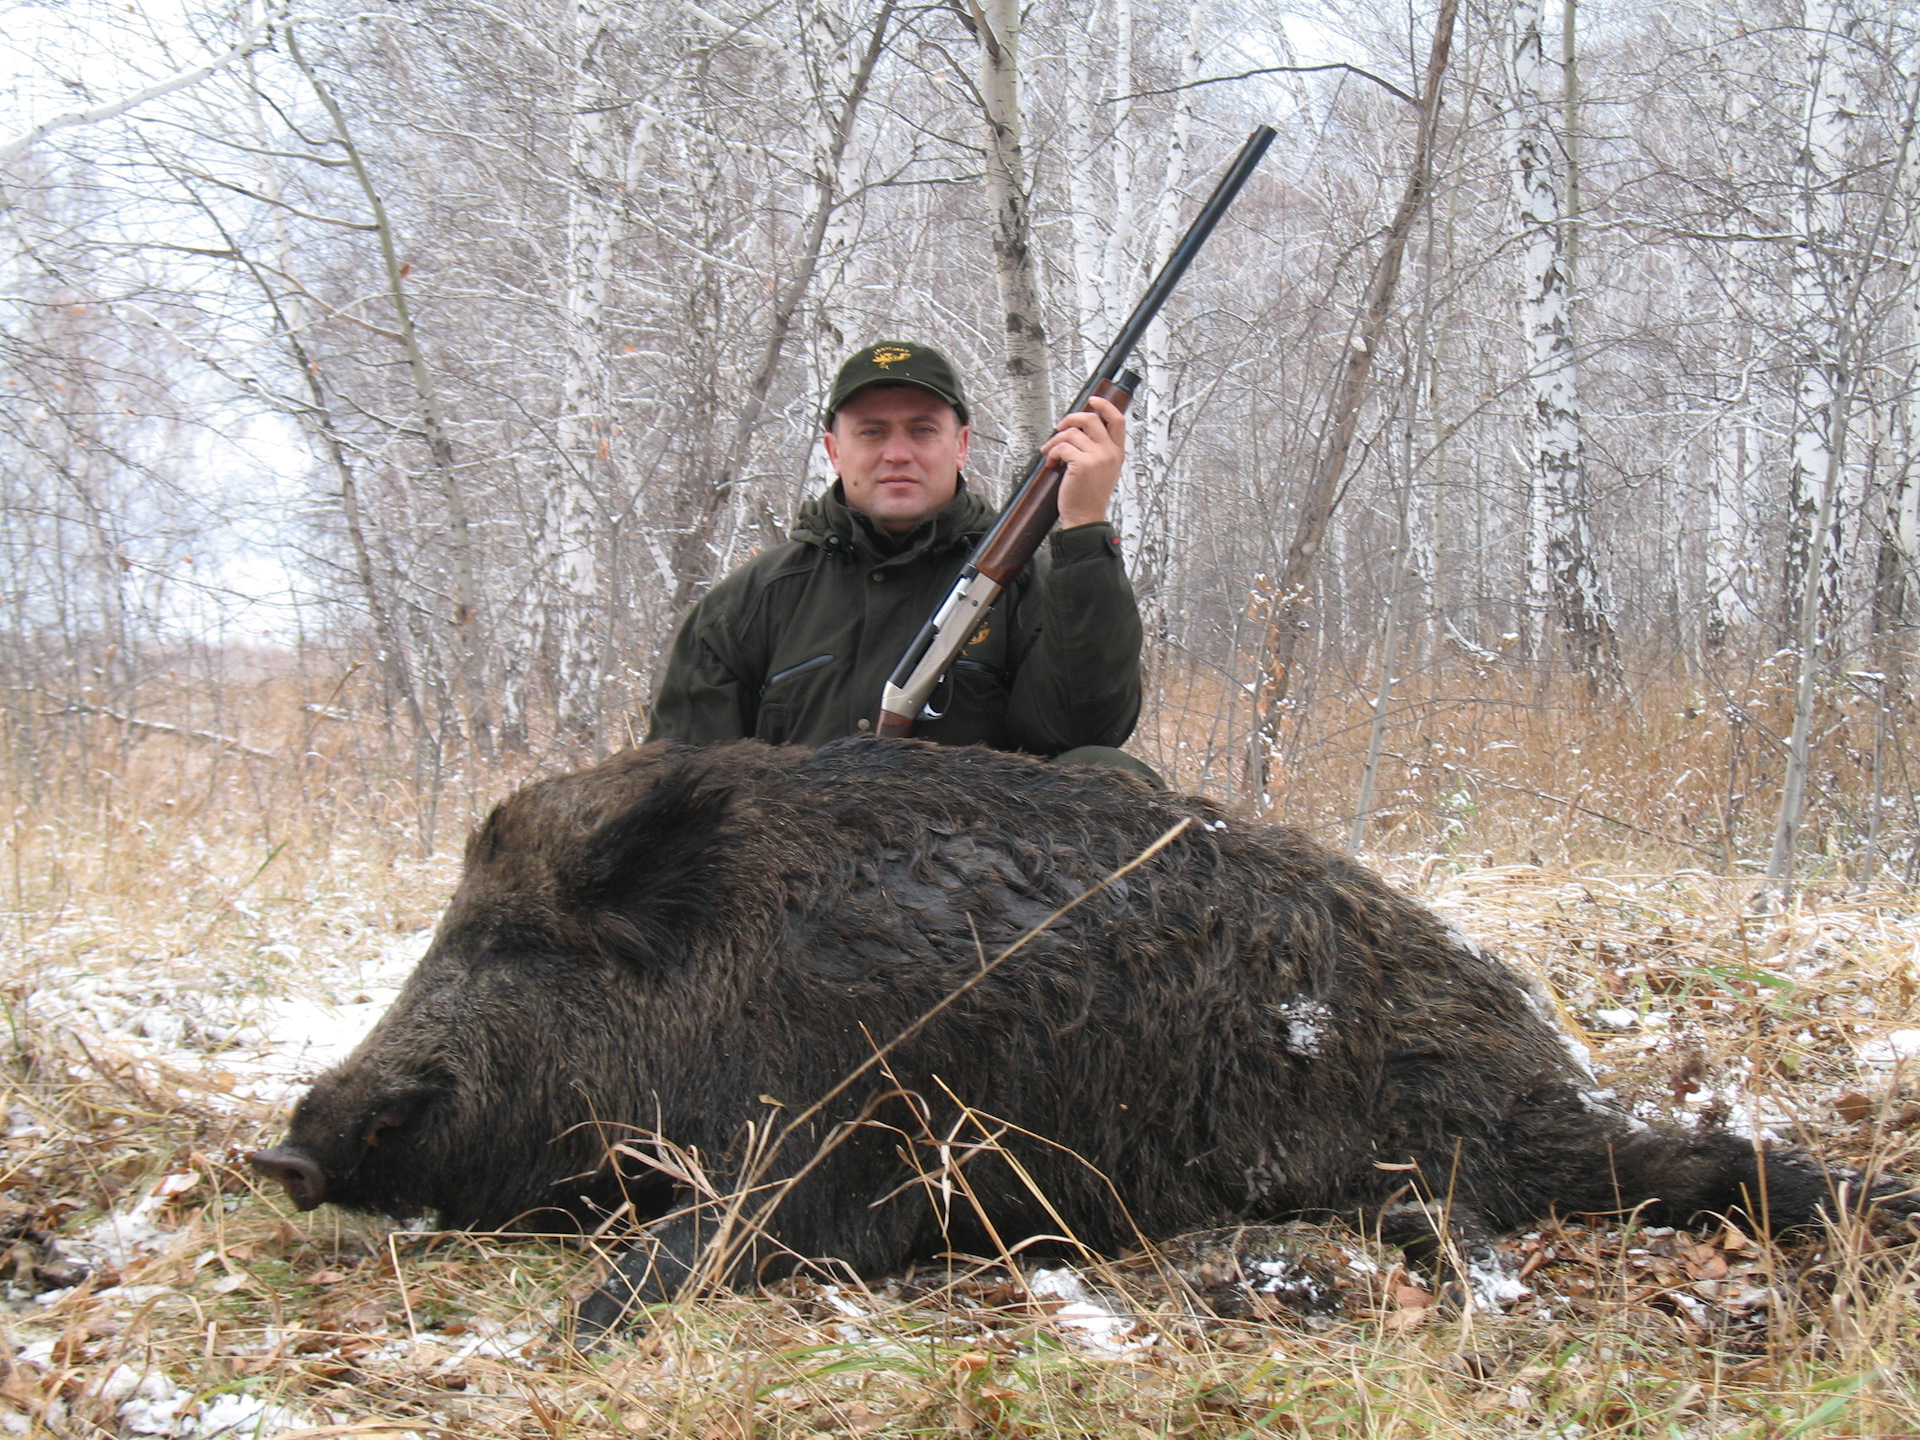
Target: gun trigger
{"x": 927, "y": 712}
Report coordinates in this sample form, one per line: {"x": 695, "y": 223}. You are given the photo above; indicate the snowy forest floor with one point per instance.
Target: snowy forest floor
{"x": 185, "y": 946}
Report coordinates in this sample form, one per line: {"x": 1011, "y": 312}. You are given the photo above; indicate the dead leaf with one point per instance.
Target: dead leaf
{"x": 23, "y": 1386}
{"x": 1854, "y": 1107}
{"x": 1706, "y": 1263}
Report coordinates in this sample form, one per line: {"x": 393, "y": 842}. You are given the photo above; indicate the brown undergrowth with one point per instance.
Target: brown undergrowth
{"x": 152, "y": 1289}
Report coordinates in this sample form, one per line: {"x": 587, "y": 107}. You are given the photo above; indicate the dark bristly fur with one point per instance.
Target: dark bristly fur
{"x": 1245, "y": 1027}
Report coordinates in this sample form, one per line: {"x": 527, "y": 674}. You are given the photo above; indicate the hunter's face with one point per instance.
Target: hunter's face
{"x": 898, "y": 451}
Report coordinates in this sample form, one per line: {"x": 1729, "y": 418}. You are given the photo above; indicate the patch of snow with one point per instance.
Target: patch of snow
{"x": 126, "y": 1236}
{"x": 833, "y": 1296}
{"x": 490, "y": 1341}
{"x": 151, "y": 1404}
{"x": 1897, "y": 1046}
{"x": 1296, "y": 1285}
{"x": 241, "y": 1043}
{"x": 485, "y": 1338}
{"x": 1617, "y": 1019}
{"x": 1494, "y": 1279}
{"x": 1307, "y": 1024}
{"x": 1083, "y": 1315}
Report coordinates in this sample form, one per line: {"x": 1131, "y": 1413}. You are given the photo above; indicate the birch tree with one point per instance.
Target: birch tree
{"x": 1163, "y": 503}
{"x": 1829, "y": 374}
{"x": 1820, "y": 274}
{"x": 1561, "y": 513}
{"x": 840, "y": 114}
{"x": 996, "y": 26}
{"x": 568, "y": 574}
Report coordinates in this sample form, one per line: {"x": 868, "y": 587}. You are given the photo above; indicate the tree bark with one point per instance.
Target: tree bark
{"x": 1823, "y": 440}
{"x": 1820, "y": 281}
{"x": 1557, "y": 469}
{"x": 1161, "y": 501}
{"x": 572, "y": 608}
{"x": 996, "y": 24}
{"x": 1390, "y": 633}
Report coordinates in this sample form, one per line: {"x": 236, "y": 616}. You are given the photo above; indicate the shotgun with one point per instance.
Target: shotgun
{"x": 1005, "y": 549}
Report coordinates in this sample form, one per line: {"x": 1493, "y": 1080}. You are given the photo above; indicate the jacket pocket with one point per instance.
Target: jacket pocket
{"x": 792, "y": 670}
{"x": 775, "y": 721}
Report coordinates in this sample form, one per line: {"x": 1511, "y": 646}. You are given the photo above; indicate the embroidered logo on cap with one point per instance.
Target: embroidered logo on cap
{"x": 890, "y": 355}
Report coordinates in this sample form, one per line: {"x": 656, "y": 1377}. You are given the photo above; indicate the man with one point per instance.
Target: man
{"x": 794, "y": 646}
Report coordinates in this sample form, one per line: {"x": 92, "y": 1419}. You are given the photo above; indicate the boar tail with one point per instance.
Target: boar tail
{"x": 1672, "y": 1177}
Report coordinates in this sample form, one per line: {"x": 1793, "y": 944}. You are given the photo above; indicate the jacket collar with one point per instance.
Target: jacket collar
{"x": 828, "y": 521}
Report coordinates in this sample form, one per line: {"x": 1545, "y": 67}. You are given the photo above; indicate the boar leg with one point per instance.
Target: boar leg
{"x": 1456, "y": 1243}
{"x": 654, "y": 1269}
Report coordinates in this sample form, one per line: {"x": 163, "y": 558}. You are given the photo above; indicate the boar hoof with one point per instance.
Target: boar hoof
{"x": 304, "y": 1183}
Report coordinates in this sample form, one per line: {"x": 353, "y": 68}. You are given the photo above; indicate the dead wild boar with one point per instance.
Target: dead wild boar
{"x": 690, "y": 947}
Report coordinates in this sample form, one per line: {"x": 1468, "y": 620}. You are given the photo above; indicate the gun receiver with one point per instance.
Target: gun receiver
{"x": 1005, "y": 549}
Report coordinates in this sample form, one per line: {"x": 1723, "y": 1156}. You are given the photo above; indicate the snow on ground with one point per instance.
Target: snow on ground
{"x": 1616, "y": 946}
{"x": 1084, "y": 1318}
{"x": 242, "y": 1043}
{"x": 237, "y": 1043}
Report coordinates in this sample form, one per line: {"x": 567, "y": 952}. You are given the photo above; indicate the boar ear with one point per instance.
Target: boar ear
{"x": 649, "y": 877}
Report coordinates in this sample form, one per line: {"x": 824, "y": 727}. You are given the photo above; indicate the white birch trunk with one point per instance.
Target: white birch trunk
{"x": 1900, "y": 530}
{"x": 1819, "y": 286}
{"x": 1726, "y": 606}
{"x": 1115, "y": 269}
{"x": 835, "y": 38}
{"x": 1396, "y": 590}
{"x": 1578, "y": 599}
{"x": 1010, "y": 196}
{"x": 570, "y": 584}
{"x": 1159, "y": 494}
{"x": 1536, "y": 600}
{"x": 1084, "y": 127}
{"x": 1823, "y": 298}
{"x": 835, "y": 46}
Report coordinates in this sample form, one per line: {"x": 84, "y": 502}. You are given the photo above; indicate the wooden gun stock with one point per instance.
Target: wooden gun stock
{"x": 1018, "y": 533}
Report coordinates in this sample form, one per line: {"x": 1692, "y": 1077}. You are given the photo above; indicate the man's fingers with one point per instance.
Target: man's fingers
{"x": 1103, "y": 420}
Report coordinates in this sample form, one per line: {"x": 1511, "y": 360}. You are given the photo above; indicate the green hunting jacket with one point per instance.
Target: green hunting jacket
{"x": 794, "y": 646}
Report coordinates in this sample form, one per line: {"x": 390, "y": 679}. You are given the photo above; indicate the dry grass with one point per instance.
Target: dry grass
{"x": 229, "y": 877}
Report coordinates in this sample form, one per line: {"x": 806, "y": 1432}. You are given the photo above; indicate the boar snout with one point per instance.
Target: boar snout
{"x": 306, "y": 1186}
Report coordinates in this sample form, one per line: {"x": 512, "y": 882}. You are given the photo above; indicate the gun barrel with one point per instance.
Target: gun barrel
{"x": 1170, "y": 274}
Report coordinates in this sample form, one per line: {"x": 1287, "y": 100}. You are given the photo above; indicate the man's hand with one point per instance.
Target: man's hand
{"x": 1093, "y": 442}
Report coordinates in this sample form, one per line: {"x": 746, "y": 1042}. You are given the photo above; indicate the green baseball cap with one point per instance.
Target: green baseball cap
{"x": 897, "y": 362}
